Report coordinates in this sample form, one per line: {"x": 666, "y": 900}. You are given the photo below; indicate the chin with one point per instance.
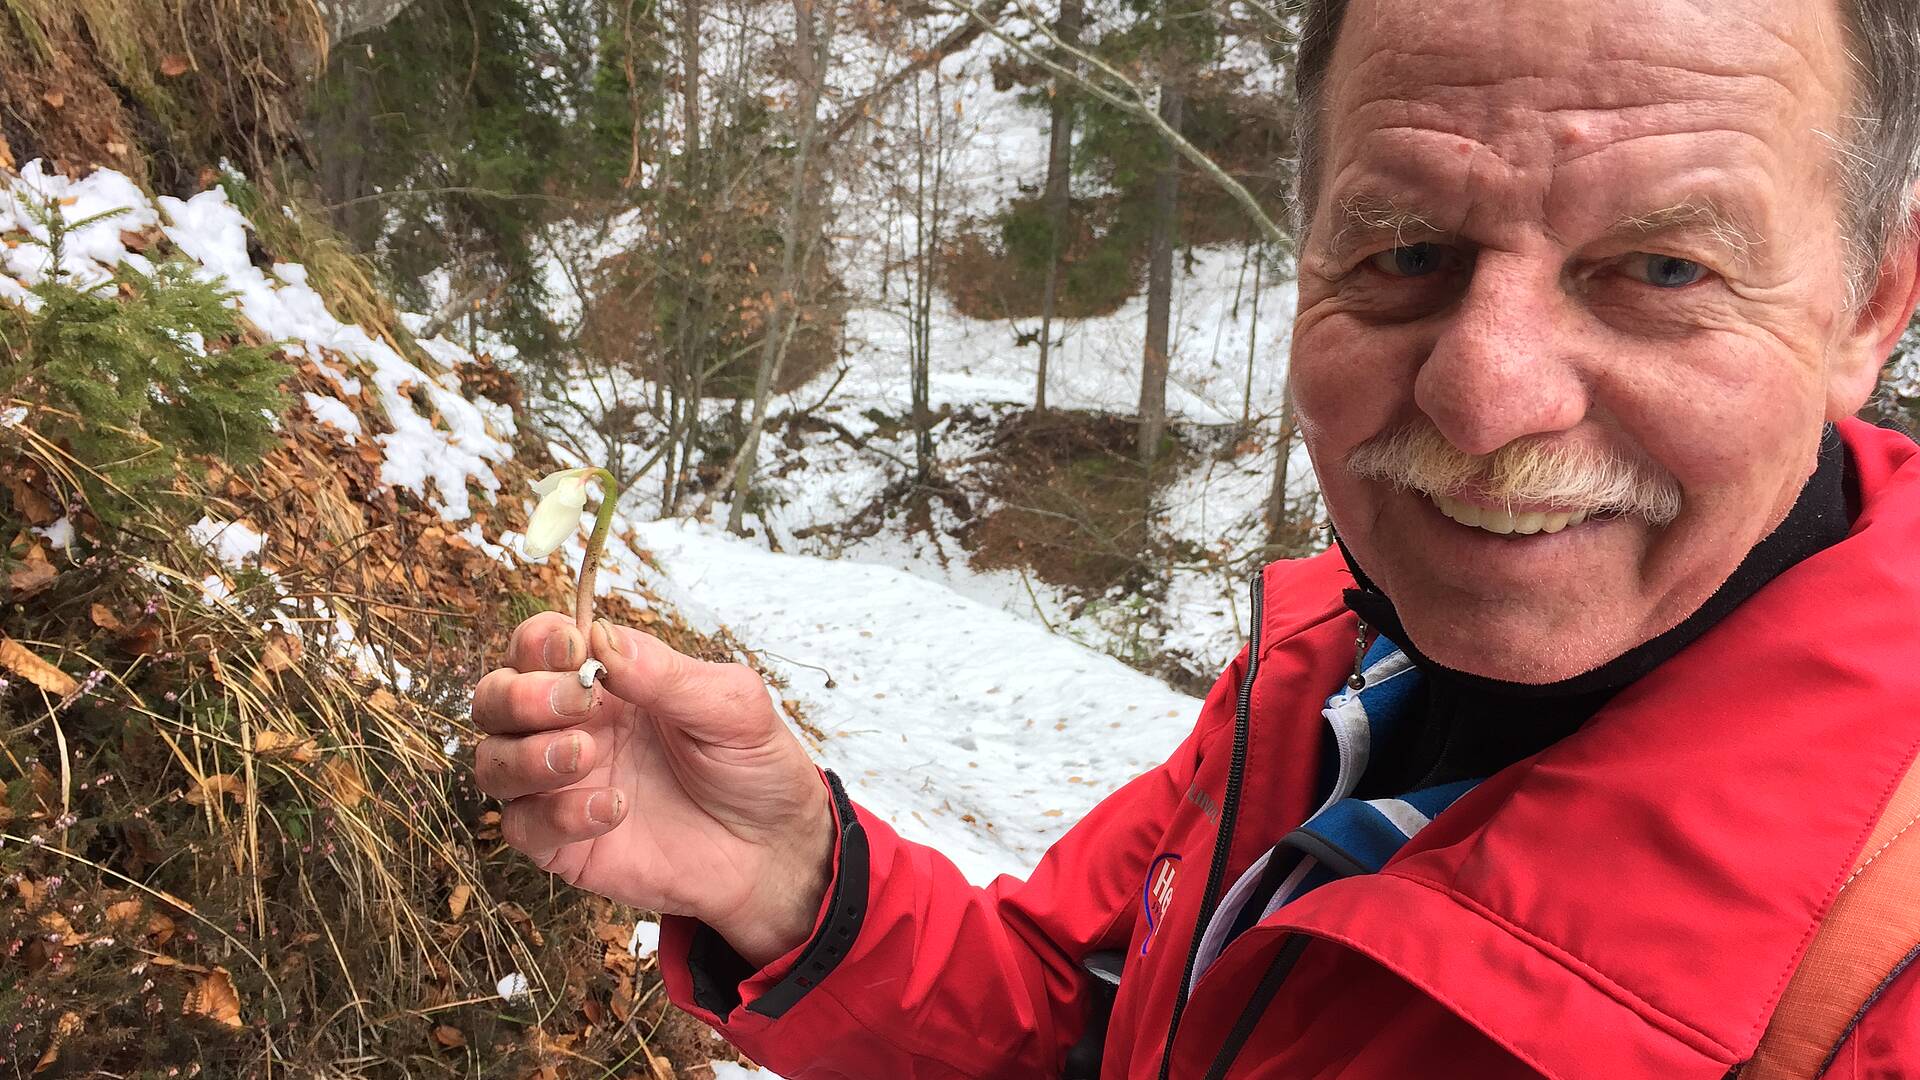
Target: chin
{"x": 1531, "y": 648}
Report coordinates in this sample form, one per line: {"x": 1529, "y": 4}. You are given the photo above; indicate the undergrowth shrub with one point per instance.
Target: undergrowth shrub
{"x": 136, "y": 377}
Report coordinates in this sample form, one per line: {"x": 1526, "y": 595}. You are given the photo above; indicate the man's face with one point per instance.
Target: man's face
{"x": 1610, "y": 232}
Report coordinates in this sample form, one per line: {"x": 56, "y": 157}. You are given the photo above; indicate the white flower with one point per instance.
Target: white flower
{"x": 563, "y": 498}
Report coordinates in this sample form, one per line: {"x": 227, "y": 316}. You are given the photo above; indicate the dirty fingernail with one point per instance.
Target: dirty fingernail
{"x": 562, "y": 650}
{"x": 569, "y": 698}
{"x": 604, "y": 807}
{"x": 563, "y": 755}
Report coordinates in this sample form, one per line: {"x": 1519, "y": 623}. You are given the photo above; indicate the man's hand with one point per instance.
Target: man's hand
{"x": 672, "y": 785}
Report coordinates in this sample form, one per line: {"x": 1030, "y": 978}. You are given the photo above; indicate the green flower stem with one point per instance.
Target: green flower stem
{"x": 602, "y": 524}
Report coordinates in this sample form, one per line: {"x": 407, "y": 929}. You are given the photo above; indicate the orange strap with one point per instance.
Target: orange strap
{"x": 1873, "y": 926}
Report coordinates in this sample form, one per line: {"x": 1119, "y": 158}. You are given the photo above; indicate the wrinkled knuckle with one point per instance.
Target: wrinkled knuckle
{"x": 513, "y": 823}
{"x": 741, "y": 687}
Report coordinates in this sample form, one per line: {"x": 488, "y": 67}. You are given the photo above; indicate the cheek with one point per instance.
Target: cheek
{"x": 1350, "y": 381}
{"x": 1719, "y": 414}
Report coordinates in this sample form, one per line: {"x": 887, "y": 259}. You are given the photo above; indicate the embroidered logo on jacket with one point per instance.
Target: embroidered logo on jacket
{"x": 1198, "y": 796}
{"x": 1162, "y": 873}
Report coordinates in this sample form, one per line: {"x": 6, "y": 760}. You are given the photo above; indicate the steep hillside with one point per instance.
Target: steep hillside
{"x": 239, "y": 826}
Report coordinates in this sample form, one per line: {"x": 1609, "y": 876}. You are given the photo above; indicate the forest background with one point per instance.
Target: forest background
{"x": 937, "y": 348}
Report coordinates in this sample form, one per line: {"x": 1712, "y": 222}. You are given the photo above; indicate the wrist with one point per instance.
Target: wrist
{"x": 790, "y": 895}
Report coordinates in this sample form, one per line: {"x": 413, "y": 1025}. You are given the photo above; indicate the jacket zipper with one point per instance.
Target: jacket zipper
{"x": 1229, "y": 814}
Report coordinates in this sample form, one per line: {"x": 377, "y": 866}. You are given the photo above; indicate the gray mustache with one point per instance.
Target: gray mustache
{"x": 1420, "y": 458}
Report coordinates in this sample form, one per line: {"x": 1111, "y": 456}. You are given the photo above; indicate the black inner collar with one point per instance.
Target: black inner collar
{"x": 1474, "y": 726}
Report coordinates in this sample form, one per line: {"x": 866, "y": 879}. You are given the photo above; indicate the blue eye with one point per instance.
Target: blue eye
{"x": 1411, "y": 260}
{"x": 1665, "y": 271}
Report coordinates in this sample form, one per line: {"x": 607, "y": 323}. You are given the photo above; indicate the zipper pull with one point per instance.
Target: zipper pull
{"x": 1358, "y": 681}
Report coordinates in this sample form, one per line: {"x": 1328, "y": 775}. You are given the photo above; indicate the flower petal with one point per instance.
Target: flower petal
{"x": 547, "y": 484}
{"x": 557, "y": 517}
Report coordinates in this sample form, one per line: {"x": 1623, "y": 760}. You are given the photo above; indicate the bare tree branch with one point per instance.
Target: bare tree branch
{"x": 857, "y": 109}
{"x": 1123, "y": 93}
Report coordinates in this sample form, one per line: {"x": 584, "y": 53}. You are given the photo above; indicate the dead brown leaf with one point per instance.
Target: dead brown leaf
{"x": 344, "y": 782}
{"x": 449, "y": 1036}
{"x": 68, "y": 1023}
{"x": 34, "y": 575}
{"x": 281, "y": 651}
{"x": 28, "y": 499}
{"x": 123, "y": 913}
{"x": 214, "y": 998}
{"x": 104, "y": 618}
{"x": 518, "y": 916}
{"x": 142, "y": 640}
{"x": 159, "y": 929}
{"x": 173, "y": 65}
{"x": 54, "y": 99}
{"x": 23, "y": 662}
{"x": 457, "y": 899}
{"x": 279, "y": 745}
{"x": 6, "y": 154}
{"x": 212, "y": 787}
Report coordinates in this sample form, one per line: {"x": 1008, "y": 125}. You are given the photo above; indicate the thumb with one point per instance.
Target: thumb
{"x": 724, "y": 703}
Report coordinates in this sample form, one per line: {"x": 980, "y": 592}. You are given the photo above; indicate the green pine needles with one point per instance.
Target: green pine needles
{"x": 134, "y": 379}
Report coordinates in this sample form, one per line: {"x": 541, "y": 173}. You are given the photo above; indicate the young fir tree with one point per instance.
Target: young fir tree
{"x": 136, "y": 377}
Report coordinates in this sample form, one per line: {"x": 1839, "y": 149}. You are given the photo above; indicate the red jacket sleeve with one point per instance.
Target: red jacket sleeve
{"x": 940, "y": 979}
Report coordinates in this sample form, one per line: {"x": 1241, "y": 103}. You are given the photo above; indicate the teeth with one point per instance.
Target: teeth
{"x": 1503, "y": 523}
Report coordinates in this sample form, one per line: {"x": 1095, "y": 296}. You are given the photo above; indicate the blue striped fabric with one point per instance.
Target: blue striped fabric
{"x": 1348, "y": 836}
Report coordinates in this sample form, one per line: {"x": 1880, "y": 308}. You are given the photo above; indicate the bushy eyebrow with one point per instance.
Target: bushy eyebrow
{"x": 1730, "y": 232}
{"x": 1360, "y": 217}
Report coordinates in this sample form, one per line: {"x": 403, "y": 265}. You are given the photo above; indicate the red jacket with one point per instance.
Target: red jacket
{"x": 1627, "y": 903}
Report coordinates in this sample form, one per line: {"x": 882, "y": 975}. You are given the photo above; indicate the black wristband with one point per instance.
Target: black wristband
{"x": 846, "y": 911}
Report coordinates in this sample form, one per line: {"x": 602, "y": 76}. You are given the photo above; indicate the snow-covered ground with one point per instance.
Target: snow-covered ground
{"x": 968, "y": 728}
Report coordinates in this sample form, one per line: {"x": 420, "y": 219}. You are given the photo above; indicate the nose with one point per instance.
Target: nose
{"x": 1505, "y": 363}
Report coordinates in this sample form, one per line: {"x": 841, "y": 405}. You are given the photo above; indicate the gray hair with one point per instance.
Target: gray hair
{"x": 1878, "y": 159}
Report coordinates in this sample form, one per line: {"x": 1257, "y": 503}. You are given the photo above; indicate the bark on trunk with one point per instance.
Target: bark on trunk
{"x": 1280, "y": 527}
{"x": 1058, "y": 195}
{"x": 811, "y": 53}
{"x": 1153, "y": 366}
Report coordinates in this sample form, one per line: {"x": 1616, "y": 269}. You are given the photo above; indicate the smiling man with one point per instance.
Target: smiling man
{"x": 1582, "y": 755}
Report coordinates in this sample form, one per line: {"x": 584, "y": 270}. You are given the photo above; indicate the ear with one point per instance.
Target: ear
{"x": 1854, "y": 368}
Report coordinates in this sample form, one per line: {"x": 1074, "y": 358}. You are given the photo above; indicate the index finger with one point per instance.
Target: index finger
{"x": 546, "y": 642}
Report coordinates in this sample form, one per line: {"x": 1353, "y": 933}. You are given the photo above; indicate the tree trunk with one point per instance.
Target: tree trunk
{"x": 1280, "y": 530}
{"x": 689, "y": 353}
{"x": 929, "y": 211}
{"x": 1058, "y": 197}
{"x": 811, "y": 54}
{"x": 1153, "y": 365}
{"x": 1253, "y": 342}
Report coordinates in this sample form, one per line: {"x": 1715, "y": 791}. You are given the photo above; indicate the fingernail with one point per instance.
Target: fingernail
{"x": 563, "y": 755}
{"x": 603, "y": 643}
{"x": 562, "y": 650}
{"x": 604, "y": 807}
{"x": 569, "y": 698}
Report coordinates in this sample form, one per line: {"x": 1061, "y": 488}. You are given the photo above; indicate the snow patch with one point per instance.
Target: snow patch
{"x": 235, "y": 542}
{"x": 330, "y": 410}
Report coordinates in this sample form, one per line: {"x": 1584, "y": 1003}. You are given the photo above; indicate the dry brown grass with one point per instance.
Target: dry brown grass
{"x": 241, "y": 851}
